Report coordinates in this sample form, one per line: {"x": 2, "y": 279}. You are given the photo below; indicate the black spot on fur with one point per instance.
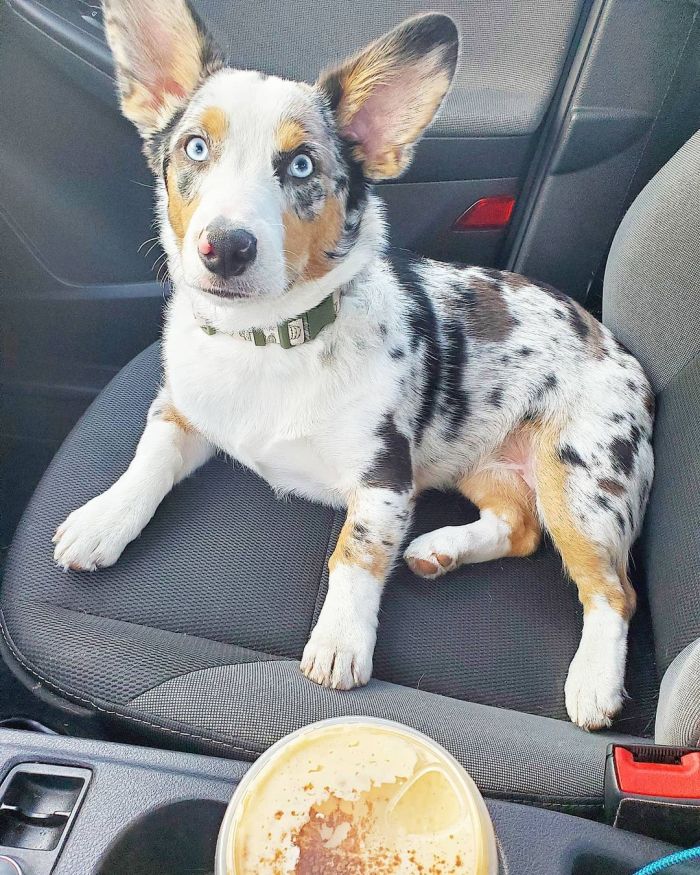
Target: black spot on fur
{"x": 355, "y": 187}
{"x": 419, "y": 36}
{"x": 550, "y": 383}
{"x": 358, "y": 187}
{"x": 524, "y": 351}
{"x": 578, "y": 324}
{"x": 424, "y": 333}
{"x": 383, "y": 331}
{"x": 649, "y": 402}
{"x": 624, "y": 451}
{"x": 604, "y": 502}
{"x": 455, "y": 402}
{"x": 614, "y": 487}
{"x": 505, "y": 359}
{"x": 397, "y": 353}
{"x": 391, "y": 468}
{"x": 575, "y": 313}
{"x": 488, "y": 316}
{"x": 157, "y": 147}
{"x": 569, "y": 456}
{"x": 496, "y": 397}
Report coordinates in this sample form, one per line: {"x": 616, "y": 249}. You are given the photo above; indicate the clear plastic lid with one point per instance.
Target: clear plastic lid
{"x": 356, "y": 796}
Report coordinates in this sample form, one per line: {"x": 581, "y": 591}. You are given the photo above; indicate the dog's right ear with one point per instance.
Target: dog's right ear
{"x": 162, "y": 53}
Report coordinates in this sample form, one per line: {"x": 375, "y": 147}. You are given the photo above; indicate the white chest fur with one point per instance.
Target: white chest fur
{"x": 301, "y": 418}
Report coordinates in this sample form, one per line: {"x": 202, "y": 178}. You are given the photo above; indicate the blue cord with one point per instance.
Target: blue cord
{"x": 673, "y": 860}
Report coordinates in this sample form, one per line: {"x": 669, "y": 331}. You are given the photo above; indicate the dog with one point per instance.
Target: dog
{"x": 296, "y": 342}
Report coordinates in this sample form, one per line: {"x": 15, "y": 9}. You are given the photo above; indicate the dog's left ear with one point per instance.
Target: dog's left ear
{"x": 385, "y": 97}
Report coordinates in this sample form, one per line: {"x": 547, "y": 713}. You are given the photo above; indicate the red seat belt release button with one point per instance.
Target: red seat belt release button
{"x": 655, "y": 791}
{"x": 677, "y": 779}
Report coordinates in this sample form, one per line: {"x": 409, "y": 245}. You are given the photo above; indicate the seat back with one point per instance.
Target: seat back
{"x": 651, "y": 301}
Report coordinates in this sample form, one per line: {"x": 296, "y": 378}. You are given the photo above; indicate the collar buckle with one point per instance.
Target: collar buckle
{"x": 293, "y": 332}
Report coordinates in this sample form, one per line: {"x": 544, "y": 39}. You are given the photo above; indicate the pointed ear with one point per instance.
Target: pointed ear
{"x": 385, "y": 97}
{"x": 162, "y": 53}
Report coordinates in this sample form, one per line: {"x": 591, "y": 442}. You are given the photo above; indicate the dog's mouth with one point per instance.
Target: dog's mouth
{"x": 224, "y": 291}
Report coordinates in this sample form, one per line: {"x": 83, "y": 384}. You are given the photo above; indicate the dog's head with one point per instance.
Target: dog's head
{"x": 263, "y": 182}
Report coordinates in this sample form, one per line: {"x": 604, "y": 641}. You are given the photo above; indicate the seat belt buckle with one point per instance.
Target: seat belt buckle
{"x": 655, "y": 791}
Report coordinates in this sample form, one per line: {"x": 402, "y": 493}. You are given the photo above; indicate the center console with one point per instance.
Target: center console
{"x": 76, "y": 807}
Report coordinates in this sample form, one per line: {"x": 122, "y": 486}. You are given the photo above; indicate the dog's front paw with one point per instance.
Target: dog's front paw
{"x": 95, "y": 535}
{"x": 337, "y": 659}
{"x": 593, "y": 691}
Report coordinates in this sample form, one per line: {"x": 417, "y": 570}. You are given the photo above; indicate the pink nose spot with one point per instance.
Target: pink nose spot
{"x": 204, "y": 246}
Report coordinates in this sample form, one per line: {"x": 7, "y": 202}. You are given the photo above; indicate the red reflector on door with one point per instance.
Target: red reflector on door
{"x": 677, "y": 780}
{"x": 487, "y": 214}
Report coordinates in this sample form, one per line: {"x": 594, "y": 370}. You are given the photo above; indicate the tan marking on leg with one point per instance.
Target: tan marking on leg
{"x": 307, "y": 242}
{"x": 507, "y": 495}
{"x": 349, "y": 550}
{"x": 593, "y": 570}
{"x": 180, "y": 211}
{"x": 170, "y": 413}
{"x": 290, "y": 135}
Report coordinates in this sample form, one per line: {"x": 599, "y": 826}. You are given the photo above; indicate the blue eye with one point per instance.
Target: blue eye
{"x": 301, "y": 166}
{"x": 197, "y": 149}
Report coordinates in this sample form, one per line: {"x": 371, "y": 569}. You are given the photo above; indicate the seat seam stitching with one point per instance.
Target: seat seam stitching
{"x": 159, "y": 629}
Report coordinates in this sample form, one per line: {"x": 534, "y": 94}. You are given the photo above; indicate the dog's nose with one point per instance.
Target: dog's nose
{"x": 226, "y": 250}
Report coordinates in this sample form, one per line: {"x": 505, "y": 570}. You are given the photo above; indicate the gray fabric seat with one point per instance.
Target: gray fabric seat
{"x": 193, "y": 638}
{"x": 652, "y": 303}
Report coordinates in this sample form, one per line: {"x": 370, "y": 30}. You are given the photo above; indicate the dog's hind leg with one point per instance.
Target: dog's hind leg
{"x": 507, "y": 526}
{"x": 595, "y": 555}
{"x": 170, "y": 449}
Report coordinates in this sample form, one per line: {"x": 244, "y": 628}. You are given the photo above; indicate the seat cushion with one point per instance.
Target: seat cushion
{"x": 194, "y": 636}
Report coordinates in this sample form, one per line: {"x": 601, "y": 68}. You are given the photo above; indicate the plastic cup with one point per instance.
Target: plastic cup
{"x": 356, "y": 796}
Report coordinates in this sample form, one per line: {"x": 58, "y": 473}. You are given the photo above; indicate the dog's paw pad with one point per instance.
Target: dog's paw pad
{"x": 427, "y": 558}
{"x": 423, "y": 567}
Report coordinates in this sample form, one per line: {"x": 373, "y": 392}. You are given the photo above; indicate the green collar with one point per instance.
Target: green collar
{"x": 293, "y": 332}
